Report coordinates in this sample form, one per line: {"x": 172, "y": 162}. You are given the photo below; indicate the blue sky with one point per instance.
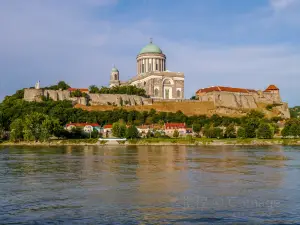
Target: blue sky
{"x": 236, "y": 43}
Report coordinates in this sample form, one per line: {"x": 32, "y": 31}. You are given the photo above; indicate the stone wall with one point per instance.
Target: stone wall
{"x": 118, "y": 99}
{"x": 93, "y": 99}
{"x": 232, "y": 100}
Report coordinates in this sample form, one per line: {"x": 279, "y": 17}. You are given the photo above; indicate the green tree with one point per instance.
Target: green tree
{"x": 295, "y": 130}
{"x": 265, "y": 131}
{"x": 16, "y": 130}
{"x": 62, "y": 85}
{"x": 33, "y": 126}
{"x": 241, "y": 133}
{"x": 50, "y": 127}
{"x": 176, "y": 134}
{"x": 76, "y": 93}
{"x": 197, "y": 128}
{"x": 194, "y": 98}
{"x": 285, "y": 132}
{"x": 93, "y": 89}
{"x": 230, "y": 131}
{"x": 132, "y": 132}
{"x": 119, "y": 129}
{"x": 251, "y": 126}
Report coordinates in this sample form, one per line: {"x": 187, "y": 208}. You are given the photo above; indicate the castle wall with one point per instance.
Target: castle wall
{"x": 31, "y": 95}
{"x": 117, "y": 99}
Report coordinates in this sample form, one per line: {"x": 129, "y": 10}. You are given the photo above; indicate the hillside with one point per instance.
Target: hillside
{"x": 188, "y": 108}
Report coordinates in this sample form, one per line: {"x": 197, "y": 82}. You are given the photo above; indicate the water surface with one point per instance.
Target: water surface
{"x": 150, "y": 185}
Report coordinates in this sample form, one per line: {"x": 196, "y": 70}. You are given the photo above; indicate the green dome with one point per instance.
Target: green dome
{"x": 114, "y": 69}
{"x": 151, "y": 48}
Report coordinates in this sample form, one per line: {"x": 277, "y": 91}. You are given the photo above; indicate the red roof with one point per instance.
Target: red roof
{"x": 175, "y": 125}
{"x": 107, "y": 126}
{"x": 83, "y": 124}
{"x": 271, "y": 87}
{"x": 222, "y": 88}
{"x": 80, "y": 89}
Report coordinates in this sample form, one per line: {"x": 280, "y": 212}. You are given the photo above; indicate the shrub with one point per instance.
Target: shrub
{"x": 241, "y": 133}
{"x": 175, "y": 134}
{"x": 230, "y": 131}
{"x": 119, "y": 129}
{"x": 265, "y": 131}
{"x": 132, "y": 132}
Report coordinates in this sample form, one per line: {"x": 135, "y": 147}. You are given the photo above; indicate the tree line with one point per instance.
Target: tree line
{"x": 126, "y": 89}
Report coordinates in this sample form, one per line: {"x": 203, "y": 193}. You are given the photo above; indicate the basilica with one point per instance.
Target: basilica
{"x": 152, "y": 75}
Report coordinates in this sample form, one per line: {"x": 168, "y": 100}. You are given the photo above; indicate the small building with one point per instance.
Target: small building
{"x": 169, "y": 128}
{"x": 144, "y": 129}
{"x": 107, "y": 128}
{"x": 86, "y": 127}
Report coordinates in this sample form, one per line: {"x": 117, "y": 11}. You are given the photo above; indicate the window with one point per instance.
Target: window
{"x": 143, "y": 68}
{"x": 178, "y": 94}
{"x": 156, "y": 92}
{"x": 116, "y": 77}
{"x": 144, "y": 83}
{"x": 156, "y": 66}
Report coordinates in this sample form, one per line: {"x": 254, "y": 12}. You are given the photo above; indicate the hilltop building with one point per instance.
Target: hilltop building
{"x": 152, "y": 75}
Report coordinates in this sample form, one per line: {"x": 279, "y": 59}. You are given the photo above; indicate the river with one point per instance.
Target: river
{"x": 150, "y": 185}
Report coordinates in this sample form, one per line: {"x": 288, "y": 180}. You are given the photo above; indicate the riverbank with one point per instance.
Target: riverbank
{"x": 160, "y": 141}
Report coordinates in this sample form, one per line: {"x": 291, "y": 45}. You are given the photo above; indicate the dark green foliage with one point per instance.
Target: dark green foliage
{"x": 119, "y": 129}
{"x": 241, "y": 133}
{"x": 212, "y": 132}
{"x": 230, "y": 131}
{"x": 250, "y": 127}
{"x": 175, "y": 134}
{"x": 194, "y": 98}
{"x": 197, "y": 128}
{"x": 292, "y": 128}
{"x": 265, "y": 131}
{"x": 60, "y": 85}
{"x": 129, "y": 90}
{"x": 78, "y": 93}
{"x": 132, "y": 132}
{"x": 93, "y": 89}
{"x": 295, "y": 112}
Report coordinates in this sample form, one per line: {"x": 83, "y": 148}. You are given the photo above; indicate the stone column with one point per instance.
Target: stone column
{"x": 160, "y": 67}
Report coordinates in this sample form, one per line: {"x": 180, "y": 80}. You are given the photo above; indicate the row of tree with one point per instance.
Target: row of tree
{"x": 128, "y": 89}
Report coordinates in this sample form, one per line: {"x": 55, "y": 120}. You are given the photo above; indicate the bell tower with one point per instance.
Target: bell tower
{"x": 114, "y": 77}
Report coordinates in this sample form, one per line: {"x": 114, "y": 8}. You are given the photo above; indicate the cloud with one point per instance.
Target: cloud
{"x": 282, "y": 4}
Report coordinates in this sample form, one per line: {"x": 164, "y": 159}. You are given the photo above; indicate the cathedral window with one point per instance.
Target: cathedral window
{"x": 144, "y": 83}
{"x": 156, "y": 68}
{"x": 156, "y": 92}
{"x": 116, "y": 77}
{"x": 178, "y": 94}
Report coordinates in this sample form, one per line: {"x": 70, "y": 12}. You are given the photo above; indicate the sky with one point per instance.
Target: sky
{"x": 238, "y": 43}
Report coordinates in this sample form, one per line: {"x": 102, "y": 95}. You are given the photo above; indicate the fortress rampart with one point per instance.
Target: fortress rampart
{"x": 219, "y": 102}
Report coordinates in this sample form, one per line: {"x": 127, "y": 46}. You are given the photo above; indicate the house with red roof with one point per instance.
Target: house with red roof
{"x": 169, "y": 128}
{"x": 86, "y": 127}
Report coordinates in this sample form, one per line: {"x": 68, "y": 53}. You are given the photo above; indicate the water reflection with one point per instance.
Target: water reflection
{"x": 148, "y": 184}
